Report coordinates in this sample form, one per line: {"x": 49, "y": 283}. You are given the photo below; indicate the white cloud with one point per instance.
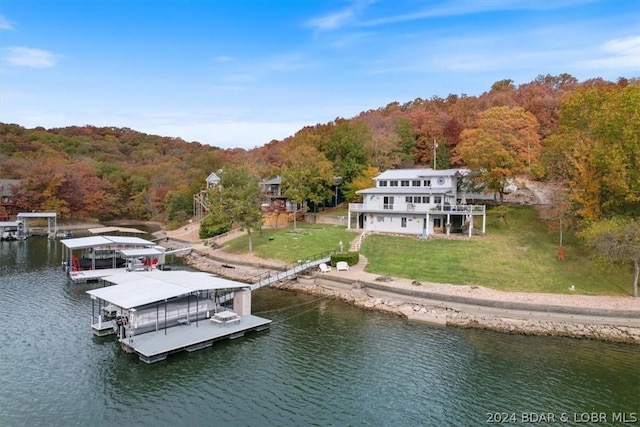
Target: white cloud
{"x": 621, "y": 53}
{"x": 31, "y": 57}
{"x": 223, "y": 58}
{"x": 5, "y": 24}
{"x": 332, "y": 21}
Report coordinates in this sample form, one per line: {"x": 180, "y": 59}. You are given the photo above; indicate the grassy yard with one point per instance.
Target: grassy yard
{"x": 292, "y": 245}
{"x": 517, "y": 255}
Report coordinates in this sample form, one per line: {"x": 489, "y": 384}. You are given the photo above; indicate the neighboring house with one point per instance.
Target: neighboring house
{"x": 417, "y": 202}
{"x": 7, "y": 204}
{"x": 213, "y": 180}
{"x": 273, "y": 198}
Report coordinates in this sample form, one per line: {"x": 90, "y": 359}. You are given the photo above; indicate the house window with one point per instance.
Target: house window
{"x": 427, "y": 183}
{"x": 425, "y": 199}
{"x": 437, "y": 199}
{"x": 403, "y": 222}
{"x": 387, "y": 202}
{"x": 415, "y": 183}
{"x": 437, "y": 223}
{"x": 380, "y": 218}
{"x": 408, "y": 199}
{"x": 404, "y": 183}
{"x": 382, "y": 183}
{"x": 393, "y": 183}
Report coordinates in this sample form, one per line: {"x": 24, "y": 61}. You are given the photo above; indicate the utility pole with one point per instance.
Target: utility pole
{"x": 435, "y": 145}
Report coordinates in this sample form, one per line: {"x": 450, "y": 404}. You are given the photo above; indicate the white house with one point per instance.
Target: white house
{"x": 418, "y": 202}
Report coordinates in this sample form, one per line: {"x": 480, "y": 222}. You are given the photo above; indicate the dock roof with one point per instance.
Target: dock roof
{"x": 103, "y": 230}
{"x": 137, "y": 289}
{"x": 96, "y": 241}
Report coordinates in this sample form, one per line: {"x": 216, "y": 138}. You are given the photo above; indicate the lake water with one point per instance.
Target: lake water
{"x": 322, "y": 363}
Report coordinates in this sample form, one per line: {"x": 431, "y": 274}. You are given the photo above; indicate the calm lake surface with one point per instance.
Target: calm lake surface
{"x": 322, "y": 363}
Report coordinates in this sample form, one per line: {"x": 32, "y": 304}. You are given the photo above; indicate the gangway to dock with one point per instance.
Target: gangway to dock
{"x": 269, "y": 278}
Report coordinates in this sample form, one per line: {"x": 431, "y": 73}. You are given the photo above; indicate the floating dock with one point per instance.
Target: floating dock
{"x": 157, "y": 313}
{"x": 157, "y": 345}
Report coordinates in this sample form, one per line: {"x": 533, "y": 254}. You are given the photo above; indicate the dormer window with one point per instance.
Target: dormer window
{"x": 427, "y": 183}
{"x": 393, "y": 183}
{"x": 382, "y": 183}
{"x": 404, "y": 183}
{"x": 415, "y": 183}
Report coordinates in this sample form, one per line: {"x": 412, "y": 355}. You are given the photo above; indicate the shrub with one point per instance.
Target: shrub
{"x": 351, "y": 258}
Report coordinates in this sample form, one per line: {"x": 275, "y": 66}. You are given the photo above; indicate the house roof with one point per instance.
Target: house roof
{"x": 137, "y": 289}
{"x": 272, "y": 181}
{"x": 401, "y": 191}
{"x": 417, "y": 173}
{"x": 213, "y": 178}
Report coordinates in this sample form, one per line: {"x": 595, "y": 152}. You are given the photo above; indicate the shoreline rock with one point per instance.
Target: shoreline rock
{"x": 442, "y": 312}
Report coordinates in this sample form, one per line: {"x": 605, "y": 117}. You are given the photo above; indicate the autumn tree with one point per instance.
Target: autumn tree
{"x": 505, "y": 143}
{"x": 306, "y": 175}
{"x": 361, "y": 182}
{"x": 597, "y": 150}
{"x": 616, "y": 240}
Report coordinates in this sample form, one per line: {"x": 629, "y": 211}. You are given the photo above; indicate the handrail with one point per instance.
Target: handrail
{"x": 268, "y": 277}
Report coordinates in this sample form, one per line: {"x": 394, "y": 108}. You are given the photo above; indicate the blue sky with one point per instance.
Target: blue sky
{"x": 242, "y": 73}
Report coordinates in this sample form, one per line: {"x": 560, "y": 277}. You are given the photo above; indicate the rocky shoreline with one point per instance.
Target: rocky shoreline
{"x": 611, "y": 319}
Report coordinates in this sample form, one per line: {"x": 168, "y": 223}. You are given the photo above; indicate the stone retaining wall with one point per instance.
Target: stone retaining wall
{"x": 414, "y": 308}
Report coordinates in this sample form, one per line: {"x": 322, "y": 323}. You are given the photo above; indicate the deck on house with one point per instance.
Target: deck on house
{"x": 157, "y": 345}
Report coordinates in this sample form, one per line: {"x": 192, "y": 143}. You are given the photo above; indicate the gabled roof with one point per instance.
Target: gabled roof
{"x": 213, "y": 178}
{"x": 273, "y": 181}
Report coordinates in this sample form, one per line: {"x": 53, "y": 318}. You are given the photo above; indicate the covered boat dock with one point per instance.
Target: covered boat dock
{"x": 156, "y": 313}
{"x": 91, "y": 258}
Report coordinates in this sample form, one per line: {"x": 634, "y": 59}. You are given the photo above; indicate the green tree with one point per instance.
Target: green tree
{"x": 238, "y": 200}
{"x": 345, "y": 148}
{"x": 504, "y": 144}
{"x": 178, "y": 206}
{"x": 616, "y": 240}
{"x": 306, "y": 175}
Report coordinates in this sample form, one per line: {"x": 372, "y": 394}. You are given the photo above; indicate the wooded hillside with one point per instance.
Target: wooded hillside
{"x": 536, "y": 128}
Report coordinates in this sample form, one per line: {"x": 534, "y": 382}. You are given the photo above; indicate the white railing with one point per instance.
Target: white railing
{"x": 418, "y": 208}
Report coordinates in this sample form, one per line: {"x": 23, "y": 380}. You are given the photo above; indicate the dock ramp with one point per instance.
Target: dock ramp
{"x": 272, "y": 277}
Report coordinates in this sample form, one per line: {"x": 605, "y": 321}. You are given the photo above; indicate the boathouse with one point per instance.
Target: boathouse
{"x": 91, "y": 258}
{"x": 156, "y": 313}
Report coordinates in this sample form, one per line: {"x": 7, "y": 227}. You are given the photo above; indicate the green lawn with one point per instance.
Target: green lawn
{"x": 517, "y": 255}
{"x": 292, "y": 245}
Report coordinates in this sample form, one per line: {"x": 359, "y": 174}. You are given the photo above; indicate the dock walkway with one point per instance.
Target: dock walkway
{"x": 156, "y": 346}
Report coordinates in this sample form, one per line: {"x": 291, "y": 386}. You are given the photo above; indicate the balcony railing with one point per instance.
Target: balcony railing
{"x": 418, "y": 208}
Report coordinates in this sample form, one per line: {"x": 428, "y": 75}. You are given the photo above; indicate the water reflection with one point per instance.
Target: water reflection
{"x": 322, "y": 363}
